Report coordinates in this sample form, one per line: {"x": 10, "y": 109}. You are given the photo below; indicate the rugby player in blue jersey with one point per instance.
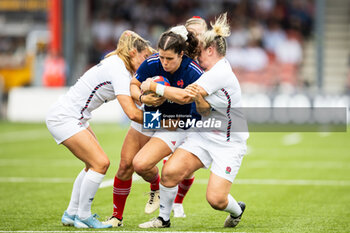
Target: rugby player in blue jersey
{"x": 142, "y": 150}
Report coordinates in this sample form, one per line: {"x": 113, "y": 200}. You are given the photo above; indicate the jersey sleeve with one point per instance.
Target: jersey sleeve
{"x": 143, "y": 72}
{"x": 121, "y": 83}
{"x": 193, "y": 74}
{"x": 210, "y": 82}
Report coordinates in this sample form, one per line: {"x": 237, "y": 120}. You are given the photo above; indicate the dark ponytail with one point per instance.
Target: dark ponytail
{"x": 192, "y": 48}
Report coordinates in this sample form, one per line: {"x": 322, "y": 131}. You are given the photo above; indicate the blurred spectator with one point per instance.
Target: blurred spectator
{"x": 239, "y": 34}
{"x": 102, "y": 28}
{"x": 289, "y": 51}
{"x": 255, "y": 29}
{"x": 120, "y": 25}
{"x": 254, "y": 57}
{"x": 300, "y": 16}
{"x": 273, "y": 35}
{"x": 259, "y": 48}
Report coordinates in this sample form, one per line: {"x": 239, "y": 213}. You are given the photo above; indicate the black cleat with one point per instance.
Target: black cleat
{"x": 232, "y": 221}
{"x": 155, "y": 223}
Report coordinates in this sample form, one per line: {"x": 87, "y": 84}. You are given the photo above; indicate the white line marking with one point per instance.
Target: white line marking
{"x": 109, "y": 183}
{"x": 35, "y": 180}
{"x": 291, "y": 139}
{"x": 48, "y": 162}
{"x": 24, "y": 135}
{"x": 297, "y": 164}
{"x": 324, "y": 134}
{"x": 293, "y": 182}
{"x": 127, "y": 231}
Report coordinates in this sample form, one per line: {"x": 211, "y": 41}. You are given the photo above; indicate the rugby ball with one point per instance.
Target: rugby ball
{"x": 161, "y": 80}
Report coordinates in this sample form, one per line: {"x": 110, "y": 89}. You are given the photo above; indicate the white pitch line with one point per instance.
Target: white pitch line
{"x": 271, "y": 182}
{"x": 127, "y": 231}
{"x": 35, "y": 180}
{"x": 291, "y": 139}
{"x": 24, "y": 135}
{"x": 109, "y": 183}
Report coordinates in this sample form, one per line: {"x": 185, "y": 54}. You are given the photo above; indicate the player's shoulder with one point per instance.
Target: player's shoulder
{"x": 192, "y": 66}
{"x": 153, "y": 59}
{"x": 112, "y": 62}
{"x": 151, "y": 63}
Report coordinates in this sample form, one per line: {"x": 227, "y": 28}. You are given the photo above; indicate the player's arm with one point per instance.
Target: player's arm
{"x": 150, "y": 99}
{"x": 197, "y": 93}
{"x": 175, "y": 94}
{"x": 130, "y": 109}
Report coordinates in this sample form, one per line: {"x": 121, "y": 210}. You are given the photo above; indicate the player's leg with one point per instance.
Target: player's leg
{"x": 219, "y": 197}
{"x": 181, "y": 164}
{"x": 85, "y": 147}
{"x": 133, "y": 142}
{"x": 225, "y": 166}
{"x": 145, "y": 163}
{"x": 183, "y": 188}
{"x": 69, "y": 215}
{"x": 148, "y": 157}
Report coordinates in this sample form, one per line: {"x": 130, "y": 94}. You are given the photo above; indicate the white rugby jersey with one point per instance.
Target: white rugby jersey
{"x": 98, "y": 85}
{"x": 224, "y": 97}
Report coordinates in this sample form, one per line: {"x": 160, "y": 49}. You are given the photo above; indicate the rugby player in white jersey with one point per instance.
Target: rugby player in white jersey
{"x": 67, "y": 121}
{"x": 217, "y": 95}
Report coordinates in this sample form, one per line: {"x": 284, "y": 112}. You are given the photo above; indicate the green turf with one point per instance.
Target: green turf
{"x": 28, "y": 151}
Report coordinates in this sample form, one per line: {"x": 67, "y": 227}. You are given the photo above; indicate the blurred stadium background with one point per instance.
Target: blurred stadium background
{"x": 291, "y": 48}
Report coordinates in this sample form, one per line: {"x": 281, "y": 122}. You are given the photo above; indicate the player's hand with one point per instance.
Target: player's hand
{"x": 152, "y": 99}
{"x": 146, "y": 85}
{"x": 193, "y": 91}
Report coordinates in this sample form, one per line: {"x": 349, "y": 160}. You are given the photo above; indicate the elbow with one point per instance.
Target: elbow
{"x": 132, "y": 117}
{"x": 135, "y": 116}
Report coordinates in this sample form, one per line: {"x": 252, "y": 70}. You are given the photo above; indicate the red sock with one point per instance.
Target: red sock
{"x": 184, "y": 186}
{"x": 154, "y": 183}
{"x": 121, "y": 190}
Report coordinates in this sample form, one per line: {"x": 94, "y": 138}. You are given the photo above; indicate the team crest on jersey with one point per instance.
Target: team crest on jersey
{"x": 151, "y": 120}
{"x": 228, "y": 170}
{"x": 180, "y": 83}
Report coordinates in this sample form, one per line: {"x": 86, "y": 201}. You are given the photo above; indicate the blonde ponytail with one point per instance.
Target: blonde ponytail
{"x": 216, "y": 36}
{"x": 221, "y": 26}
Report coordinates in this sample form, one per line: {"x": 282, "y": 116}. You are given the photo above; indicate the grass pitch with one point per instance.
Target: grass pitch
{"x": 291, "y": 182}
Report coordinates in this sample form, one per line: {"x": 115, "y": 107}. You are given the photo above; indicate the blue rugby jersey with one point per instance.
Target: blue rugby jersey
{"x": 188, "y": 72}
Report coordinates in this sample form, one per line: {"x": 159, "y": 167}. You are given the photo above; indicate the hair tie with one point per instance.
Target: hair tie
{"x": 180, "y": 30}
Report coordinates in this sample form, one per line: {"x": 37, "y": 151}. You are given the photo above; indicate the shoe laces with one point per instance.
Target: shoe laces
{"x": 151, "y": 198}
{"x": 95, "y": 216}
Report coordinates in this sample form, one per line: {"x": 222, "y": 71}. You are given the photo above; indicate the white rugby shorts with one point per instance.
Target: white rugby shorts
{"x": 172, "y": 138}
{"x": 61, "y": 125}
{"x": 225, "y": 160}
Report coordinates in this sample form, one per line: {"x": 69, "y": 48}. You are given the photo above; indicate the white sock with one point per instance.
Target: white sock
{"x": 167, "y": 197}
{"x": 233, "y": 207}
{"x": 88, "y": 190}
{"x": 74, "y": 198}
